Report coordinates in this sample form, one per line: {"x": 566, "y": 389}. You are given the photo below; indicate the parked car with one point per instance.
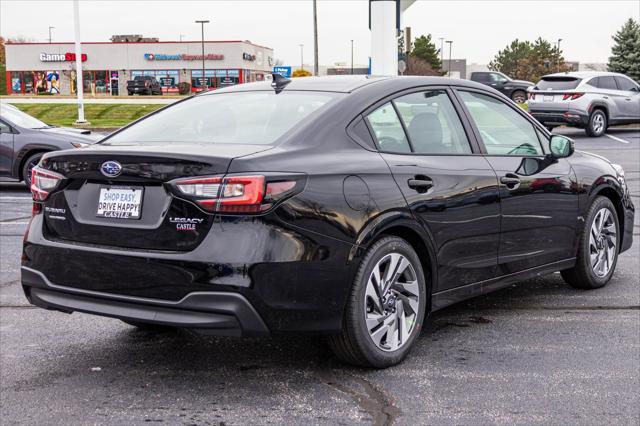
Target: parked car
{"x": 589, "y": 100}
{"x": 25, "y": 139}
{"x": 514, "y": 89}
{"x": 144, "y": 85}
{"x": 346, "y": 206}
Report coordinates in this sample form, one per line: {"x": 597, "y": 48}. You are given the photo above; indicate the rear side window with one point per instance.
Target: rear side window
{"x": 558, "y": 83}
{"x": 388, "y": 130}
{"x": 607, "y": 83}
{"x": 503, "y": 131}
{"x": 432, "y": 123}
{"x": 625, "y": 84}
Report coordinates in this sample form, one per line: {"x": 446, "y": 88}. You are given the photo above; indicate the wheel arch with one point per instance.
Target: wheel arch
{"x": 401, "y": 224}
{"x": 614, "y": 193}
{"x": 601, "y": 106}
{"x": 27, "y": 152}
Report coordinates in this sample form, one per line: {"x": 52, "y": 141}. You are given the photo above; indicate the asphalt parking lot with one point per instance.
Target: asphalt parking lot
{"x": 538, "y": 352}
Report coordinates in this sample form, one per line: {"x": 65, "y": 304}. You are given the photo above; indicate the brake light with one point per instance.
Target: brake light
{"x": 43, "y": 182}
{"x": 235, "y": 194}
{"x": 571, "y": 96}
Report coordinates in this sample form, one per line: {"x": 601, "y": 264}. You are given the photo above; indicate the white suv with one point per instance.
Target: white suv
{"x": 589, "y": 100}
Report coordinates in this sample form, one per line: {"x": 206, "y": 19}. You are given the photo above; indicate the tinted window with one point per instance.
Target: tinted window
{"x": 480, "y": 76}
{"x": 607, "y": 83}
{"x": 432, "y": 123}
{"x": 593, "y": 82}
{"x": 503, "y": 130}
{"x": 388, "y": 130}
{"x": 241, "y": 117}
{"x": 558, "y": 83}
{"x": 625, "y": 84}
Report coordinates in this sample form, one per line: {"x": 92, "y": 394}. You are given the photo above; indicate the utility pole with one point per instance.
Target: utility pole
{"x": 558, "y": 58}
{"x": 79, "y": 85}
{"x": 204, "y": 80}
{"x": 50, "y": 28}
{"x": 302, "y": 56}
{"x": 450, "y": 42}
{"x": 315, "y": 38}
{"x": 351, "y": 57}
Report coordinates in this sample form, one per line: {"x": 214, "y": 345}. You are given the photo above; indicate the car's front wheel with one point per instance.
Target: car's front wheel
{"x": 386, "y": 307}
{"x": 597, "y": 123}
{"x": 597, "y": 247}
{"x": 29, "y": 164}
{"x": 519, "y": 97}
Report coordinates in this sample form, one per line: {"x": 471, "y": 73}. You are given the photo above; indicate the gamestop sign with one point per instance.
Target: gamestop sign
{"x": 61, "y": 57}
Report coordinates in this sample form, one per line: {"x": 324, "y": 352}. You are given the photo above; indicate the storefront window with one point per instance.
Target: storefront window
{"x": 101, "y": 82}
{"x": 168, "y": 79}
{"x": 197, "y": 80}
{"x": 29, "y": 85}
{"x": 87, "y": 81}
{"x": 16, "y": 82}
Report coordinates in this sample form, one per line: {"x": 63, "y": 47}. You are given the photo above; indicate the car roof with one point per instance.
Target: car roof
{"x": 582, "y": 74}
{"x": 350, "y": 83}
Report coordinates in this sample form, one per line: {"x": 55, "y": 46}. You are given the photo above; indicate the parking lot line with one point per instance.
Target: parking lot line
{"x": 616, "y": 138}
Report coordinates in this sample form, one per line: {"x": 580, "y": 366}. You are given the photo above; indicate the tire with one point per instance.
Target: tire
{"x": 589, "y": 273}
{"x": 28, "y": 164}
{"x": 597, "y": 124}
{"x": 519, "y": 96}
{"x": 355, "y": 344}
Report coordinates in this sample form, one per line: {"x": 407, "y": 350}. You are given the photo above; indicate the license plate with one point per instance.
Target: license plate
{"x": 119, "y": 202}
{"x": 547, "y": 98}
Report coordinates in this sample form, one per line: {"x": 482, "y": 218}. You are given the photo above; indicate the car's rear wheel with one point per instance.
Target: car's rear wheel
{"x": 29, "y": 164}
{"x": 597, "y": 123}
{"x": 386, "y": 307}
{"x": 519, "y": 97}
{"x": 597, "y": 247}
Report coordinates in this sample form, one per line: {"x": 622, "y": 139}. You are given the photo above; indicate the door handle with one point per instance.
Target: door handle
{"x": 420, "y": 183}
{"x": 510, "y": 180}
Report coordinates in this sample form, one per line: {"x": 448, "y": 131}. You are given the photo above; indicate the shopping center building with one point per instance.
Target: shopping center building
{"x": 34, "y": 68}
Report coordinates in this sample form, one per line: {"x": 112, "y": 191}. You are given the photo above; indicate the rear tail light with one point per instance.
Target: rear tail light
{"x": 237, "y": 194}
{"x": 43, "y": 182}
{"x": 571, "y": 96}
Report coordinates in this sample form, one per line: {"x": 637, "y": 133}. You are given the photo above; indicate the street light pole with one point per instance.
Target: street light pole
{"x": 315, "y": 39}
{"x": 79, "y": 85}
{"x": 302, "y": 57}
{"x": 351, "y": 57}
{"x": 50, "y": 28}
{"x": 558, "y": 58}
{"x": 204, "y": 80}
{"x": 450, "y": 42}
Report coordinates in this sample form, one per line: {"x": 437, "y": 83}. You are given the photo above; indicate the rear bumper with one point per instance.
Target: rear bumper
{"x": 227, "y": 314}
{"x": 567, "y": 117}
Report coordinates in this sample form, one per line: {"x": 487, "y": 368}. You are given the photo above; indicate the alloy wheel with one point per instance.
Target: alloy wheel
{"x": 392, "y": 302}
{"x": 598, "y": 123}
{"x": 603, "y": 242}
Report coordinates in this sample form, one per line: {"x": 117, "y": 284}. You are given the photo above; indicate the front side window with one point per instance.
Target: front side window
{"x": 432, "y": 123}
{"x": 227, "y": 118}
{"x": 625, "y": 84}
{"x": 388, "y": 130}
{"x": 503, "y": 130}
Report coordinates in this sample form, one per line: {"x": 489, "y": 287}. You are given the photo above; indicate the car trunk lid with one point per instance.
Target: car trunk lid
{"x": 133, "y": 208}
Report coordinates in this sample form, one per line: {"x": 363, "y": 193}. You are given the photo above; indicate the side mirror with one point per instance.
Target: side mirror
{"x": 561, "y": 146}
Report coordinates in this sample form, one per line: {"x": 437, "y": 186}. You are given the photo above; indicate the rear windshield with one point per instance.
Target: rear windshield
{"x": 558, "y": 83}
{"x": 240, "y": 117}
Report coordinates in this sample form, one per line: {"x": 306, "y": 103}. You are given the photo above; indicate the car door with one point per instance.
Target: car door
{"x": 6, "y": 149}
{"x": 450, "y": 188}
{"x": 609, "y": 92}
{"x": 629, "y": 103}
{"x": 539, "y": 200}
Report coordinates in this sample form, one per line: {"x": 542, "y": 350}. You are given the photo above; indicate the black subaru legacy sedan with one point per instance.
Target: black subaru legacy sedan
{"x": 350, "y": 207}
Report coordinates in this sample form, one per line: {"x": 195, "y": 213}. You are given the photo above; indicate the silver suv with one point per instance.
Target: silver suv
{"x": 589, "y": 100}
